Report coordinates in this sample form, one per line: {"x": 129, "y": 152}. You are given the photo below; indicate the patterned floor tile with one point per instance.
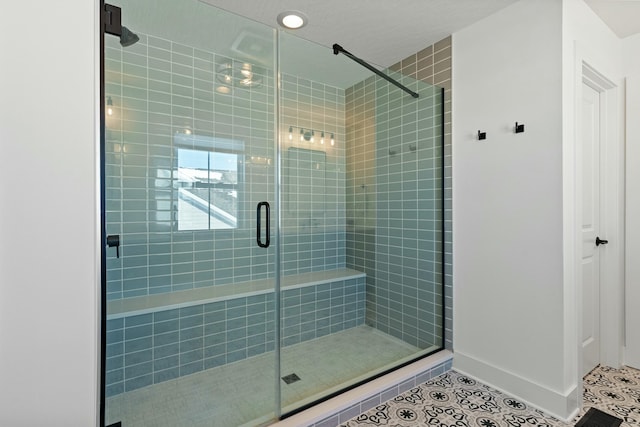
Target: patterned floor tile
{"x": 454, "y": 400}
{"x": 614, "y": 391}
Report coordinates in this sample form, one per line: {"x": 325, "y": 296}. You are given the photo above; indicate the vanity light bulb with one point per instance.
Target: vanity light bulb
{"x": 312, "y": 135}
{"x": 290, "y": 133}
{"x": 322, "y": 138}
{"x": 301, "y": 134}
{"x": 333, "y": 141}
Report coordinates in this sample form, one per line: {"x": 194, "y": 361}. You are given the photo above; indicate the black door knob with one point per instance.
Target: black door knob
{"x": 600, "y": 241}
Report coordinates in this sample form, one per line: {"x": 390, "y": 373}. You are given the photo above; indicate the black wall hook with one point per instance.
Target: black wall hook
{"x": 519, "y": 128}
{"x": 482, "y": 135}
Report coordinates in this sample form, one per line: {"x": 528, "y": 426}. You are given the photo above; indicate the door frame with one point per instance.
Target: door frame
{"x": 611, "y": 212}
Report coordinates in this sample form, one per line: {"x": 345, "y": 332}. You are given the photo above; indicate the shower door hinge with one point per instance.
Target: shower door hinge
{"x": 112, "y": 20}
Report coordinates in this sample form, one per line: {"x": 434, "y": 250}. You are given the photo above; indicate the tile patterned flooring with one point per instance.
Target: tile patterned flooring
{"x": 210, "y": 398}
{"x": 616, "y": 392}
{"x": 453, "y": 400}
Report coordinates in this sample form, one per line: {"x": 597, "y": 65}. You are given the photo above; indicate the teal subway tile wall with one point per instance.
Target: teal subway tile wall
{"x": 167, "y": 113}
{"x": 433, "y": 65}
{"x": 394, "y": 202}
{"x": 313, "y": 176}
{"x": 170, "y": 112}
{"x": 149, "y": 348}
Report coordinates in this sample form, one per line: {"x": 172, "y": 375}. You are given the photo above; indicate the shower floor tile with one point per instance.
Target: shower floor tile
{"x": 242, "y": 393}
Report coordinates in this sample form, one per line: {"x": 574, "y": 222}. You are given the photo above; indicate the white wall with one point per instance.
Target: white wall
{"x": 48, "y": 262}
{"x": 516, "y": 297}
{"x": 509, "y": 324}
{"x": 632, "y": 276}
{"x": 631, "y": 54}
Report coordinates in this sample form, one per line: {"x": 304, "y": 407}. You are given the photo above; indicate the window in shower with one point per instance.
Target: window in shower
{"x": 207, "y": 182}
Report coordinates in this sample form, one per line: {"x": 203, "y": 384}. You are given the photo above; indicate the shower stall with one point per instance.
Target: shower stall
{"x": 273, "y": 220}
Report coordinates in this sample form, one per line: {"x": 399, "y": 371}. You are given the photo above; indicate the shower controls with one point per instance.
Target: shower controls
{"x": 600, "y": 241}
{"x": 114, "y": 240}
{"x": 266, "y": 242}
{"x": 112, "y": 19}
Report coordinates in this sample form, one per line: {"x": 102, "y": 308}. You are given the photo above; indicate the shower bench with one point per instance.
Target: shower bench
{"x": 156, "y": 338}
{"x": 181, "y": 299}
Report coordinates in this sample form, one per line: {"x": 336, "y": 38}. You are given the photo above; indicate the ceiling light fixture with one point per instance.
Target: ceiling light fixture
{"x": 292, "y": 19}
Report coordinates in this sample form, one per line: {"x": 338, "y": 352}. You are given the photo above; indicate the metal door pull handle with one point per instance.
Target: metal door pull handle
{"x": 600, "y": 241}
{"x": 267, "y": 241}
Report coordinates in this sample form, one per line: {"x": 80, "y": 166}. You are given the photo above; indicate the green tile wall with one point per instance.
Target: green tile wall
{"x": 151, "y": 348}
{"x": 313, "y": 206}
{"x": 161, "y": 89}
{"x": 433, "y": 65}
{"x": 394, "y": 201}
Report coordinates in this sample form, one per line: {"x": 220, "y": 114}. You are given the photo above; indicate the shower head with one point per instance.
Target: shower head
{"x": 127, "y": 38}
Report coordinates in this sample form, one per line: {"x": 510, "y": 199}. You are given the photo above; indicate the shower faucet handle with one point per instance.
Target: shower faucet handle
{"x": 114, "y": 240}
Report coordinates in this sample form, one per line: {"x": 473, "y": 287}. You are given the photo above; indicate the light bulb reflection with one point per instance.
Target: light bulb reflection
{"x": 109, "y": 106}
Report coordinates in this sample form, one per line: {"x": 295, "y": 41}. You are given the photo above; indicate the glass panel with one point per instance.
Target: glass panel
{"x": 362, "y": 222}
{"x": 189, "y": 154}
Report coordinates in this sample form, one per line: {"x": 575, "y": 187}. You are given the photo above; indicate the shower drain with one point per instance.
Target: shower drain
{"x": 291, "y": 378}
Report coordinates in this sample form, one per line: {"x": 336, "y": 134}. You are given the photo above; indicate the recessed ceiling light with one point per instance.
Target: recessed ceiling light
{"x": 292, "y": 19}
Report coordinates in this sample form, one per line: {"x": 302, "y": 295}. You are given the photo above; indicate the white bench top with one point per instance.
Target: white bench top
{"x": 171, "y": 300}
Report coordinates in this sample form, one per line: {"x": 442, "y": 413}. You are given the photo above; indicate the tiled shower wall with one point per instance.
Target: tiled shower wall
{"x": 163, "y": 96}
{"x": 395, "y": 262}
{"x": 164, "y": 92}
{"x": 433, "y": 65}
{"x": 150, "y": 348}
{"x": 313, "y": 199}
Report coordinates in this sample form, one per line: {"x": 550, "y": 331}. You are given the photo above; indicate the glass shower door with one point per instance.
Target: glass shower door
{"x": 362, "y": 224}
{"x": 189, "y": 158}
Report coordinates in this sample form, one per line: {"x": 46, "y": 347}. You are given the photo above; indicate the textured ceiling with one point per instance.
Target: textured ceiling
{"x": 381, "y": 31}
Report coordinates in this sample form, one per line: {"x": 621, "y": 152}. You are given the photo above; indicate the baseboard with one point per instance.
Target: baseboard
{"x": 563, "y": 406}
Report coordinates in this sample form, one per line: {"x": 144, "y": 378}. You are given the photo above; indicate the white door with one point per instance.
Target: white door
{"x": 590, "y": 142}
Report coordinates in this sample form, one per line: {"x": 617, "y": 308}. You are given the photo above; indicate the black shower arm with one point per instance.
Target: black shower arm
{"x": 339, "y": 49}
